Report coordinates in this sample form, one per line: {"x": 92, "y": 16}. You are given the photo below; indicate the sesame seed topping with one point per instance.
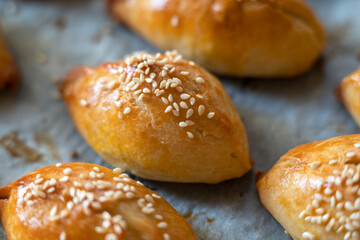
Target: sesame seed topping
{"x": 184, "y": 96}
{"x": 166, "y": 236}
{"x": 58, "y": 164}
{"x": 162, "y": 225}
{"x": 189, "y": 113}
{"x": 357, "y": 145}
{"x": 185, "y": 73}
{"x": 174, "y": 21}
{"x": 64, "y": 179}
{"x": 315, "y": 165}
{"x": 67, "y": 171}
{"x": 200, "y": 80}
{"x": 350, "y": 154}
{"x": 117, "y": 170}
{"x": 182, "y": 124}
{"x": 211, "y": 115}
{"x": 127, "y": 110}
{"x": 307, "y": 235}
{"x": 201, "y": 110}
{"x": 62, "y": 236}
{"x": 332, "y": 162}
{"x": 168, "y": 109}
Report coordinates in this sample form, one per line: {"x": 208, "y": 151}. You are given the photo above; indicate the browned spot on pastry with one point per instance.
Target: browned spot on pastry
{"x": 43, "y": 138}
{"x": 18, "y": 148}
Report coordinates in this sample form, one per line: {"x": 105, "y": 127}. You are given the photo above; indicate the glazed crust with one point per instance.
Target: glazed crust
{"x": 313, "y": 190}
{"x": 348, "y": 94}
{"x": 163, "y": 136}
{"x": 261, "y": 38}
{"x": 94, "y": 203}
{"x": 9, "y": 72}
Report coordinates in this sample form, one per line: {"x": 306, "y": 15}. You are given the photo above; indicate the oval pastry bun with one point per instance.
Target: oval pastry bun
{"x": 82, "y": 201}
{"x": 313, "y": 190}
{"x": 349, "y": 94}
{"x": 261, "y": 38}
{"x": 160, "y": 117}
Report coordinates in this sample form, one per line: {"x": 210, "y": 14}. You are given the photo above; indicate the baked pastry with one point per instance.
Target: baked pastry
{"x": 348, "y": 93}
{"x": 313, "y": 190}
{"x": 9, "y": 72}
{"x": 78, "y": 201}
{"x": 159, "y": 117}
{"x": 261, "y": 38}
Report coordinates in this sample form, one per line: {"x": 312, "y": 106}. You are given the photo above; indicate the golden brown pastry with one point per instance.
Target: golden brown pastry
{"x": 9, "y": 72}
{"x": 82, "y": 201}
{"x": 160, "y": 117}
{"x": 313, "y": 190}
{"x": 349, "y": 94}
{"x": 261, "y": 38}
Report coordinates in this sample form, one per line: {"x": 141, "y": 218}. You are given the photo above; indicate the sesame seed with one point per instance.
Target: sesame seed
{"x": 350, "y": 154}
{"x": 162, "y": 225}
{"x": 189, "y": 113}
{"x": 67, "y": 171}
{"x": 176, "y": 113}
{"x": 174, "y": 21}
{"x": 184, "y": 96}
{"x": 92, "y": 174}
{"x": 51, "y": 190}
{"x": 332, "y": 162}
{"x": 146, "y": 90}
{"x": 315, "y": 165}
{"x": 127, "y": 110}
{"x": 129, "y": 195}
{"x": 357, "y": 145}
{"x": 64, "y": 179}
{"x": 170, "y": 97}
{"x": 58, "y": 164}
{"x": 164, "y": 100}
{"x": 62, "y": 236}
{"x": 117, "y": 170}
{"x": 166, "y": 236}
{"x": 168, "y": 109}
{"x": 307, "y": 235}
{"x": 201, "y": 110}
{"x": 200, "y": 80}
{"x": 111, "y": 236}
{"x": 183, "y": 105}
{"x": 190, "y": 135}
{"x": 155, "y": 196}
{"x": 185, "y": 73}
{"x": 192, "y": 101}
{"x": 211, "y": 115}
{"x": 182, "y": 124}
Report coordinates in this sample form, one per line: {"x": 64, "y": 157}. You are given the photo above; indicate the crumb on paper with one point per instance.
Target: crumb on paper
{"x": 60, "y": 23}
{"x": 41, "y": 58}
{"x": 74, "y": 154}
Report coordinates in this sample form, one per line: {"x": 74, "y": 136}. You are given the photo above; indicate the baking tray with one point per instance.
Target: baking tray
{"x": 50, "y": 37}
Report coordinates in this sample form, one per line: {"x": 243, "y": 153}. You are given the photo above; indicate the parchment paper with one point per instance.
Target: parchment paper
{"x": 49, "y": 37}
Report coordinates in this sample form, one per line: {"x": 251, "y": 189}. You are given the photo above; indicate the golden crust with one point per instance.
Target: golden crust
{"x": 94, "y": 203}
{"x": 313, "y": 190}
{"x": 162, "y": 137}
{"x": 9, "y": 72}
{"x": 349, "y": 94}
{"x": 262, "y": 38}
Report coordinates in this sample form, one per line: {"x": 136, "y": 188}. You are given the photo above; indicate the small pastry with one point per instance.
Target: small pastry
{"x": 313, "y": 190}
{"x": 349, "y": 94}
{"x": 262, "y": 38}
{"x": 160, "y": 117}
{"x": 9, "y": 72}
{"x": 82, "y": 201}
